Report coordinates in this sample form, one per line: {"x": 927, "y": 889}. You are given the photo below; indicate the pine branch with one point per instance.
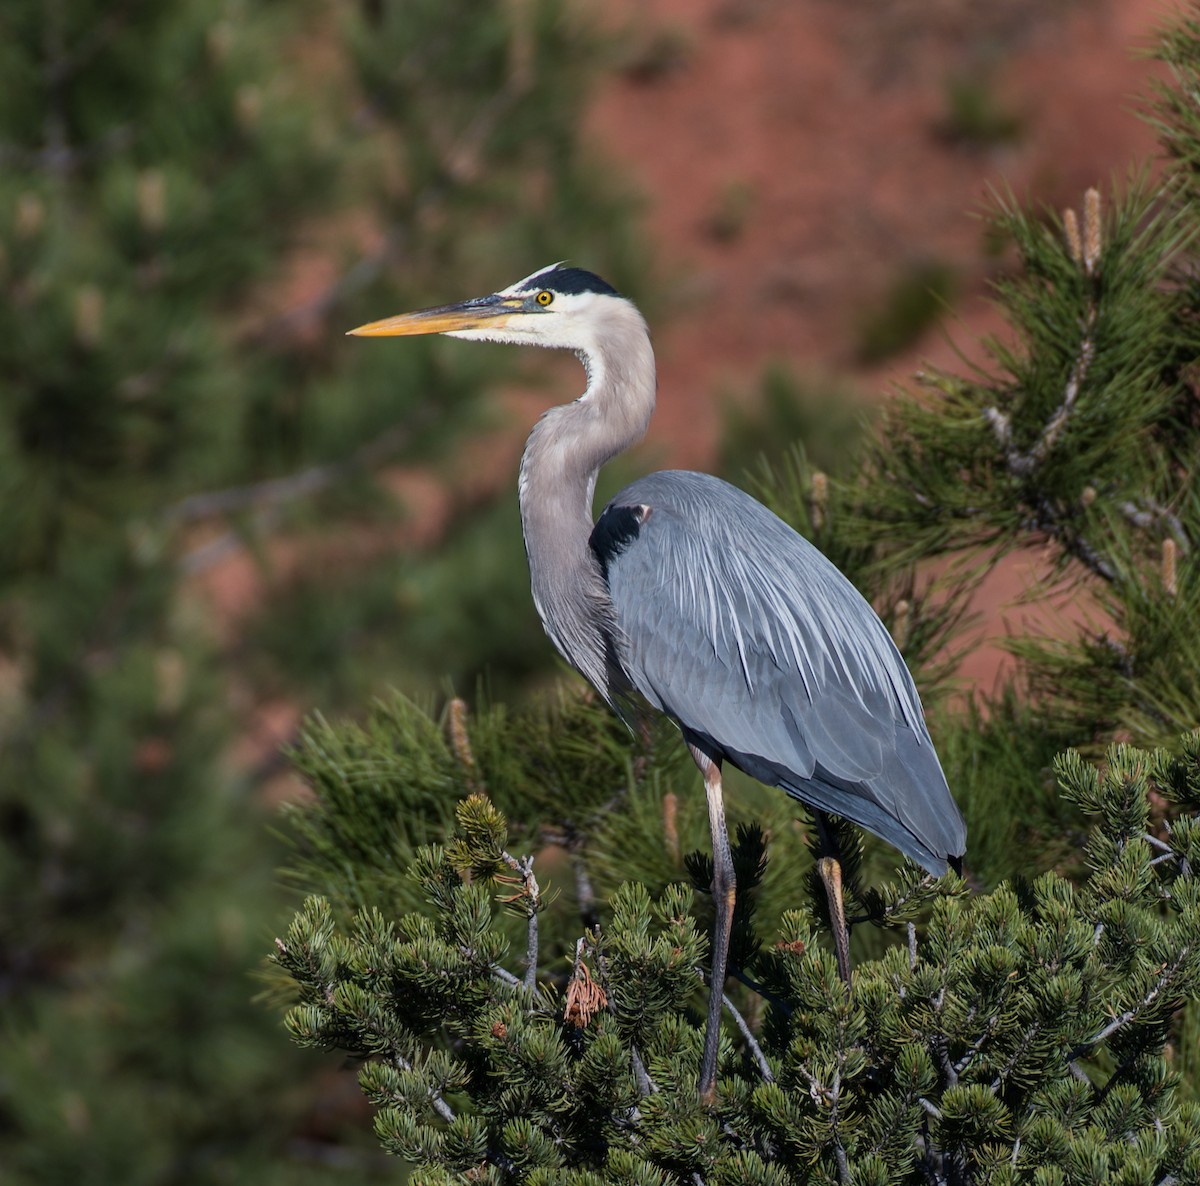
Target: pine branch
{"x": 1150, "y": 513}
{"x": 440, "y": 1106}
{"x": 1054, "y": 525}
{"x": 975, "y": 1047}
{"x": 752, "y": 1042}
{"x": 1087, "y": 255}
{"x": 835, "y": 1097}
{"x": 1031, "y": 1032}
{"x": 941, "y": 1047}
{"x": 893, "y": 908}
{"x": 277, "y": 491}
{"x": 443, "y": 1109}
{"x": 645, "y": 1084}
{"x": 530, "y": 891}
{"x": 506, "y": 977}
{"x": 266, "y": 499}
{"x": 1119, "y": 1022}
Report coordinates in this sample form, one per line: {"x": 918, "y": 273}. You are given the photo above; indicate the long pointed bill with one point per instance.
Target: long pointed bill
{"x": 481, "y": 313}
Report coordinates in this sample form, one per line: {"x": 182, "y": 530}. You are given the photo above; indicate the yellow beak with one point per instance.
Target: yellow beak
{"x": 479, "y": 313}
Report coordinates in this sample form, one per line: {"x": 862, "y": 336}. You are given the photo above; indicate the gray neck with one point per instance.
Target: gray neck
{"x": 558, "y": 479}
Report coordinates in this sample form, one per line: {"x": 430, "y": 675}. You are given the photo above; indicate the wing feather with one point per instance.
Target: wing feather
{"x": 747, "y": 635}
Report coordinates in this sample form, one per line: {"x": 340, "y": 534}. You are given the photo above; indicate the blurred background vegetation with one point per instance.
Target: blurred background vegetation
{"x": 217, "y": 514}
{"x": 196, "y": 196}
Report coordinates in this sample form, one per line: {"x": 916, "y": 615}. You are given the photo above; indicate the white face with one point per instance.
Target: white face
{"x": 542, "y": 316}
{"x": 554, "y": 306}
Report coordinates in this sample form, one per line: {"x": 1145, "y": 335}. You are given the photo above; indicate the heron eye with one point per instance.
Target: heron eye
{"x": 544, "y": 298}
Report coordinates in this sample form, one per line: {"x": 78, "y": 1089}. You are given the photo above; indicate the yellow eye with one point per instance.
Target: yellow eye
{"x": 544, "y": 298}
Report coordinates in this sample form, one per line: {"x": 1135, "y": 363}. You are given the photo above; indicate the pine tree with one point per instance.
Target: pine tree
{"x": 506, "y": 1036}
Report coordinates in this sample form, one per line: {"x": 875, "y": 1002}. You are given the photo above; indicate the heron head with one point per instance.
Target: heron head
{"x": 555, "y": 306}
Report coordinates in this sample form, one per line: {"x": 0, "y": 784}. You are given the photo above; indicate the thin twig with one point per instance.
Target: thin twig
{"x": 1024, "y": 464}
{"x": 1079, "y": 1073}
{"x": 276, "y": 491}
{"x": 762, "y": 990}
{"x": 1031, "y": 1032}
{"x": 943, "y": 1052}
{"x": 504, "y": 975}
{"x": 531, "y": 937}
{"x": 646, "y": 1085}
{"x": 1048, "y": 519}
{"x": 440, "y": 1106}
{"x": 764, "y": 1067}
{"x": 977, "y": 1045}
{"x": 743, "y": 1025}
{"x": 1148, "y": 517}
{"x": 533, "y": 905}
{"x": 894, "y": 908}
{"x": 1058, "y": 421}
{"x": 266, "y": 499}
{"x": 839, "y": 1149}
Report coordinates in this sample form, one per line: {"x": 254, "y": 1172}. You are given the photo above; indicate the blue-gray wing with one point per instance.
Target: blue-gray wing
{"x": 755, "y": 643}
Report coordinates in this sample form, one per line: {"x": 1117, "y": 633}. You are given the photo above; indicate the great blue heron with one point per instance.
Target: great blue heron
{"x": 690, "y": 593}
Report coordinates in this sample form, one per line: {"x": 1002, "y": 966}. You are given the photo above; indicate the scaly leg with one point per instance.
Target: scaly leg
{"x": 829, "y": 866}
{"x": 724, "y": 893}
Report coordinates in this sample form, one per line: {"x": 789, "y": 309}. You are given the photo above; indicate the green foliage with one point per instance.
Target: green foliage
{"x": 1081, "y": 438}
{"x": 196, "y": 195}
{"x": 424, "y": 67}
{"x": 1171, "y": 113}
{"x": 1098, "y": 333}
{"x": 1020, "y": 1035}
{"x": 1001, "y": 752}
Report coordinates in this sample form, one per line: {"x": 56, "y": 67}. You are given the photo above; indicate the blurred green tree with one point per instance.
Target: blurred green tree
{"x": 194, "y": 197}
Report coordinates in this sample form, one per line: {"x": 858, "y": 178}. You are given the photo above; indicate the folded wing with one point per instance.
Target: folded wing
{"x": 753, "y": 641}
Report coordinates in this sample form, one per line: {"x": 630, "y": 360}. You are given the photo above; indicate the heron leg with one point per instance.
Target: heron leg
{"x": 724, "y": 894}
{"x": 829, "y": 866}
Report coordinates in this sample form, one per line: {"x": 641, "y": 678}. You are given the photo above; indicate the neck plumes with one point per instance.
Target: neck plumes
{"x": 558, "y": 477}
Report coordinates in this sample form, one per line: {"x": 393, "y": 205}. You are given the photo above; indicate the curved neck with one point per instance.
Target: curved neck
{"x": 558, "y": 477}
{"x": 570, "y": 443}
